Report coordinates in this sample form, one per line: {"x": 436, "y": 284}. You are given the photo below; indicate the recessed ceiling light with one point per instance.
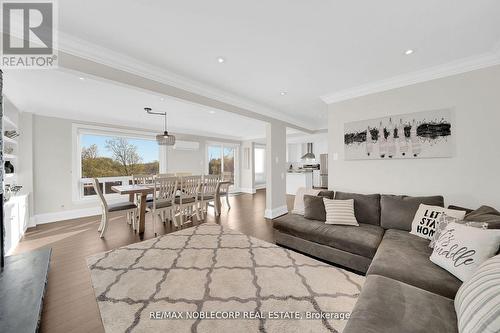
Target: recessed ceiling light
{"x": 409, "y": 51}
{"x": 162, "y": 99}
{"x": 221, "y": 60}
{"x": 211, "y": 112}
{"x": 81, "y": 78}
{"x": 283, "y": 93}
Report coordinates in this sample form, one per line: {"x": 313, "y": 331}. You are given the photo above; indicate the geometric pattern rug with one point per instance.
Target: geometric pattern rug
{"x": 209, "y": 278}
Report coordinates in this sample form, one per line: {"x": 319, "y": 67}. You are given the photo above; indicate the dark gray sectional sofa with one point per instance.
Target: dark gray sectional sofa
{"x": 404, "y": 291}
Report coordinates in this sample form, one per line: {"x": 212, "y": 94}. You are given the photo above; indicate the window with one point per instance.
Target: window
{"x": 112, "y": 157}
{"x": 260, "y": 165}
{"x": 222, "y": 159}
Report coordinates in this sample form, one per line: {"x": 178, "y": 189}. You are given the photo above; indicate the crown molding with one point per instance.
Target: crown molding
{"x": 452, "y": 68}
{"x": 90, "y": 51}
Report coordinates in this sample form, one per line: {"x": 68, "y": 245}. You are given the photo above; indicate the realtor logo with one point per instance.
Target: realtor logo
{"x": 28, "y": 35}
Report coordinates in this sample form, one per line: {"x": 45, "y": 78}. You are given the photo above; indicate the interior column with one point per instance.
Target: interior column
{"x": 275, "y": 170}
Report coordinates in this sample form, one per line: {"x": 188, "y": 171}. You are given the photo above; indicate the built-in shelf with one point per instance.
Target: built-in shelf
{"x": 9, "y": 175}
{"x": 9, "y": 156}
{"x": 9, "y": 140}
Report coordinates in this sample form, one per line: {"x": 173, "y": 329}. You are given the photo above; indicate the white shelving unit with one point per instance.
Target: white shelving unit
{"x": 10, "y": 144}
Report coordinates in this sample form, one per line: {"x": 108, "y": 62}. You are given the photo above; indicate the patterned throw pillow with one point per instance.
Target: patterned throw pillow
{"x": 340, "y": 212}
{"x": 443, "y": 221}
{"x": 425, "y": 221}
{"x": 461, "y": 249}
{"x": 477, "y": 302}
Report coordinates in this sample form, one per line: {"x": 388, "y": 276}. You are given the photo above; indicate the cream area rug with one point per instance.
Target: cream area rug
{"x": 209, "y": 278}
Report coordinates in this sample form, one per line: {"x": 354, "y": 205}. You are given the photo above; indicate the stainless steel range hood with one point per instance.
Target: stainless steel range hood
{"x": 309, "y": 155}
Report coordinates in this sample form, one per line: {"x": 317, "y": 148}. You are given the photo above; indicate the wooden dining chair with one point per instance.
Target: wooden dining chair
{"x": 208, "y": 189}
{"x": 187, "y": 197}
{"x": 224, "y": 188}
{"x": 113, "y": 209}
{"x": 163, "y": 202}
{"x": 183, "y": 174}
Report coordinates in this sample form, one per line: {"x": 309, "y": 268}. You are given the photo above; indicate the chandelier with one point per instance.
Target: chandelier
{"x": 163, "y": 139}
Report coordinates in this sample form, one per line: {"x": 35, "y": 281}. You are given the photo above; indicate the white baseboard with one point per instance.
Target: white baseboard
{"x": 260, "y": 187}
{"x": 64, "y": 215}
{"x": 275, "y": 212}
{"x": 247, "y": 190}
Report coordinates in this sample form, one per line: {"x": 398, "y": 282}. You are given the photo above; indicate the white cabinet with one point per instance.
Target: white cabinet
{"x": 16, "y": 218}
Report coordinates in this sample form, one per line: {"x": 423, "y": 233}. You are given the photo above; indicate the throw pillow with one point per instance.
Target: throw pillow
{"x": 443, "y": 221}
{"x": 425, "y": 221}
{"x": 298, "y": 203}
{"x": 461, "y": 249}
{"x": 485, "y": 214}
{"x": 340, "y": 212}
{"x": 314, "y": 208}
{"x": 477, "y": 302}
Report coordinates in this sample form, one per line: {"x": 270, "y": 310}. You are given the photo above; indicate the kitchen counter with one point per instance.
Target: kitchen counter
{"x": 299, "y": 171}
{"x": 298, "y": 178}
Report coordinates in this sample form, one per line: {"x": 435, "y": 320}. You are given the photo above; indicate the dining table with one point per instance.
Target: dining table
{"x": 144, "y": 189}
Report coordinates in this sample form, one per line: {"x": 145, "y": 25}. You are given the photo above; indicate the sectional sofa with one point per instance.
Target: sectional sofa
{"x": 404, "y": 291}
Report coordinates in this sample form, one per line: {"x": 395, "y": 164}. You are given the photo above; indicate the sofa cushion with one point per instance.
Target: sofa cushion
{"x": 362, "y": 240}
{"x": 485, "y": 214}
{"x": 366, "y": 206}
{"x": 398, "y": 211}
{"x": 314, "y": 208}
{"x": 327, "y": 194}
{"x": 405, "y": 257}
{"x": 390, "y": 306}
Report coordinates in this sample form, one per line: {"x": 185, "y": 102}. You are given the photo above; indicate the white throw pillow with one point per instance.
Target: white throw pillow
{"x": 477, "y": 302}
{"x": 426, "y": 219}
{"x": 460, "y": 249}
{"x": 340, "y": 212}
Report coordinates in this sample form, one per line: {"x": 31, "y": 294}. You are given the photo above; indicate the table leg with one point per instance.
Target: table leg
{"x": 142, "y": 214}
{"x": 217, "y": 202}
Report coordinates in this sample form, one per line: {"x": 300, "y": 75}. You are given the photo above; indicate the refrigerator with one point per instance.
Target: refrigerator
{"x": 323, "y": 170}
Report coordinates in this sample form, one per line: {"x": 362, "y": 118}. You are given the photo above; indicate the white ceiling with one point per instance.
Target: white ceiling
{"x": 61, "y": 94}
{"x": 307, "y": 48}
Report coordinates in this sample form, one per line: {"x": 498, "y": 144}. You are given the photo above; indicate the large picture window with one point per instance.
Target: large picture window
{"x": 112, "y": 158}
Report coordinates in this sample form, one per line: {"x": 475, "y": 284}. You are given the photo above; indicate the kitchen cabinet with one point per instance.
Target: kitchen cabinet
{"x": 16, "y": 216}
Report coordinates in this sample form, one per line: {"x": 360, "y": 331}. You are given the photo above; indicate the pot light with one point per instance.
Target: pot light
{"x": 82, "y": 78}
{"x": 211, "y": 112}
{"x": 221, "y": 60}
{"x": 409, "y": 51}
{"x": 283, "y": 93}
{"x": 162, "y": 99}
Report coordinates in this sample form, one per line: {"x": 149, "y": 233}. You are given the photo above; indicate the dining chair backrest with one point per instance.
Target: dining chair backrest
{"x": 209, "y": 184}
{"x": 165, "y": 190}
{"x": 183, "y": 174}
{"x": 142, "y": 179}
{"x": 163, "y": 175}
{"x": 100, "y": 195}
{"x": 227, "y": 176}
{"x": 190, "y": 186}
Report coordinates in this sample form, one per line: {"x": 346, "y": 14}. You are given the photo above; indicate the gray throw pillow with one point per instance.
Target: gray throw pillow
{"x": 314, "y": 208}
{"x": 366, "y": 206}
{"x": 485, "y": 214}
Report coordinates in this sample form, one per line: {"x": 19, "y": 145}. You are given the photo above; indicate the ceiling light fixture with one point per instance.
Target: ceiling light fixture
{"x": 283, "y": 93}
{"x": 162, "y": 99}
{"x": 163, "y": 139}
{"x": 409, "y": 51}
{"x": 221, "y": 60}
{"x": 211, "y": 112}
{"x": 81, "y": 78}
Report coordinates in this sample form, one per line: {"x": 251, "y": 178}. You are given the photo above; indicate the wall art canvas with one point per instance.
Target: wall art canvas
{"x": 426, "y": 134}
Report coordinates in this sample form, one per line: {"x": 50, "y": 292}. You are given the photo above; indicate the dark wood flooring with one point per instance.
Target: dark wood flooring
{"x": 69, "y": 304}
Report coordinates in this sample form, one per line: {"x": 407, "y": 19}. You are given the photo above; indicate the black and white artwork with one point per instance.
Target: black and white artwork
{"x": 426, "y": 134}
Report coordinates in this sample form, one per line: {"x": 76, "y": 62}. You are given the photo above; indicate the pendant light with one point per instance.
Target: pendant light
{"x": 163, "y": 139}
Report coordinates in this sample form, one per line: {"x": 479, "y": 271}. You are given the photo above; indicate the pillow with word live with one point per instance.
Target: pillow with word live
{"x": 426, "y": 219}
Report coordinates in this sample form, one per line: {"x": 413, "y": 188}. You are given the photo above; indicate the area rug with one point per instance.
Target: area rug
{"x": 209, "y": 278}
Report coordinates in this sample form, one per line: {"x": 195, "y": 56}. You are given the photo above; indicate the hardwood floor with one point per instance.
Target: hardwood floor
{"x": 69, "y": 304}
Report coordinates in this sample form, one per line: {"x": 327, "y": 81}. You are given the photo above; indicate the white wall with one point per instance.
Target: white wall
{"x": 470, "y": 178}
{"x": 247, "y": 177}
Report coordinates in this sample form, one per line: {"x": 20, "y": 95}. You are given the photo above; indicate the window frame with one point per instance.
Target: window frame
{"x": 83, "y": 129}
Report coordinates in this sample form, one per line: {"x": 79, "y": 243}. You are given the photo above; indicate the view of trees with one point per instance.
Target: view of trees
{"x": 125, "y": 160}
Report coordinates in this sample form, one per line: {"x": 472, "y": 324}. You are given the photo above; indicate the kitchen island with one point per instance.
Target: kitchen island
{"x": 298, "y": 178}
